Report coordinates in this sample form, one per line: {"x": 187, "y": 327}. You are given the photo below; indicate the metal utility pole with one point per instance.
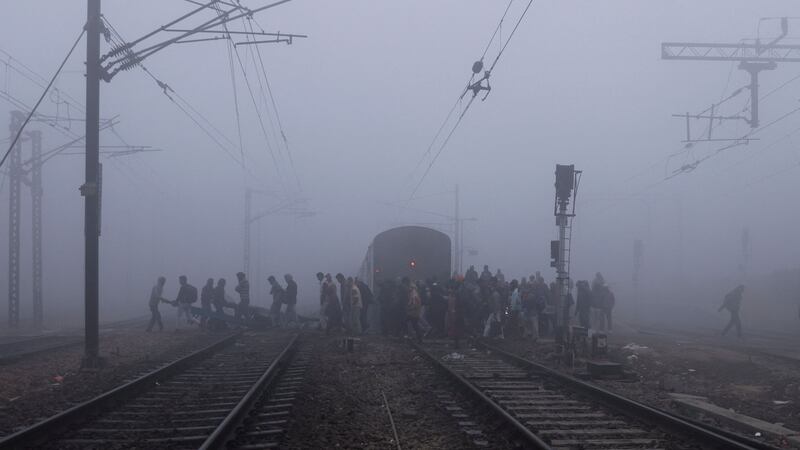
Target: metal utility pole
{"x": 248, "y": 208}
{"x": 121, "y": 58}
{"x": 37, "y": 192}
{"x": 14, "y": 205}
{"x": 567, "y": 181}
{"x": 638, "y": 254}
{"x": 752, "y": 58}
{"x": 457, "y": 235}
{"x": 91, "y": 187}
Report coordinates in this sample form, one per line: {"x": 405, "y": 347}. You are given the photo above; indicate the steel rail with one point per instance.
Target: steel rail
{"x": 11, "y": 352}
{"x": 40, "y": 431}
{"x": 523, "y": 431}
{"x": 705, "y": 433}
{"x": 227, "y": 428}
{"x": 14, "y": 351}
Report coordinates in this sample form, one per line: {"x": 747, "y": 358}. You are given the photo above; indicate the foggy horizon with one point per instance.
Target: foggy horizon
{"x": 361, "y": 98}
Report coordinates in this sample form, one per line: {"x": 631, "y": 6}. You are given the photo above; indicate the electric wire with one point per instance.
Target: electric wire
{"x": 258, "y": 112}
{"x": 511, "y": 35}
{"x": 441, "y": 148}
{"x": 44, "y": 94}
{"x": 235, "y": 94}
{"x": 275, "y": 109}
{"x": 263, "y": 97}
{"x": 26, "y": 72}
{"x": 461, "y": 96}
{"x": 181, "y": 103}
{"x": 466, "y": 108}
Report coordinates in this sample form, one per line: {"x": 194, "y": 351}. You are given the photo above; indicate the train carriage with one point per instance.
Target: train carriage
{"x": 409, "y": 251}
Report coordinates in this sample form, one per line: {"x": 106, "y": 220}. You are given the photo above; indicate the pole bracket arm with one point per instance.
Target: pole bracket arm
{"x": 88, "y": 190}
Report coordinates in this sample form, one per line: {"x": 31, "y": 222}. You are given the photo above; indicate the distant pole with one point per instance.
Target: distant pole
{"x": 680, "y": 241}
{"x": 91, "y": 188}
{"x": 15, "y": 186}
{"x": 248, "y": 209}
{"x": 36, "y": 212}
{"x": 458, "y": 252}
{"x": 638, "y": 254}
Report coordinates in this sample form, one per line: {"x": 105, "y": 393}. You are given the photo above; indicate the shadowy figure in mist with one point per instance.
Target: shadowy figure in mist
{"x": 733, "y": 302}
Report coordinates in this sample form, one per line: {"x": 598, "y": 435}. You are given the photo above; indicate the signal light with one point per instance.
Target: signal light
{"x": 412, "y": 264}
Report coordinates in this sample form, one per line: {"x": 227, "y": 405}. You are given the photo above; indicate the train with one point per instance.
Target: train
{"x": 410, "y": 251}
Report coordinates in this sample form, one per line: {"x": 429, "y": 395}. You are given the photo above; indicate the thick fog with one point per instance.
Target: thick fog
{"x": 582, "y": 82}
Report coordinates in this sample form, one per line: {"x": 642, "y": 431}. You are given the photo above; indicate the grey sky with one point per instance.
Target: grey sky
{"x": 582, "y": 82}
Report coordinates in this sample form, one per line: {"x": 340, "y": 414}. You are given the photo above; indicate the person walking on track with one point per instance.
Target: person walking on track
{"x": 187, "y": 294}
{"x": 156, "y": 297}
{"x": 243, "y": 288}
{"x": 733, "y": 302}
{"x": 206, "y": 298}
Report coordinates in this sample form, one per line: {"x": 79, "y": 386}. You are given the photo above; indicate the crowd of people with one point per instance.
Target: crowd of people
{"x": 484, "y": 304}
{"x": 214, "y": 300}
{"x": 474, "y": 304}
{"x": 344, "y": 307}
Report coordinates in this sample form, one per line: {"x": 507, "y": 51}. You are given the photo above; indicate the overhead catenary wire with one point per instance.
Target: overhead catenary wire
{"x": 441, "y": 148}
{"x": 257, "y": 110}
{"x": 461, "y": 95}
{"x": 511, "y": 35}
{"x": 205, "y": 125}
{"x": 44, "y": 94}
{"x": 275, "y": 108}
{"x": 262, "y": 94}
{"x": 475, "y": 92}
{"x": 235, "y": 94}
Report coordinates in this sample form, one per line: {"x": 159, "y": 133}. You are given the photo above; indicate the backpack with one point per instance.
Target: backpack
{"x": 192, "y": 293}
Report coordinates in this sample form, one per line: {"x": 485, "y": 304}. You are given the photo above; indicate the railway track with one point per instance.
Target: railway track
{"x": 24, "y": 347}
{"x": 225, "y": 393}
{"x": 14, "y": 348}
{"x": 547, "y": 409}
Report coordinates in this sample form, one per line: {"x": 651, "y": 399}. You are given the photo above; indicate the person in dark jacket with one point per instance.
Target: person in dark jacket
{"x": 243, "y": 288}
{"x": 322, "y": 317}
{"x": 583, "y": 306}
{"x": 437, "y": 308}
{"x": 344, "y": 296}
{"x": 156, "y": 297}
{"x": 386, "y": 301}
{"x": 290, "y": 298}
{"x": 220, "y": 302}
{"x": 187, "y": 294}
{"x": 471, "y": 276}
{"x": 277, "y": 292}
{"x": 733, "y": 302}
{"x": 333, "y": 309}
{"x": 455, "y": 316}
{"x": 401, "y": 302}
{"x": 367, "y": 299}
{"x": 206, "y": 298}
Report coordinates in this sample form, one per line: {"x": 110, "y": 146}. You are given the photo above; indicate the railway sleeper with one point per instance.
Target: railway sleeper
{"x": 128, "y": 442}
{"x": 153, "y": 430}
{"x": 589, "y": 444}
{"x": 589, "y": 433}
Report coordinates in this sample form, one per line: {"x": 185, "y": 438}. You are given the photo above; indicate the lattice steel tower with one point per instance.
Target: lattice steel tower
{"x": 14, "y": 187}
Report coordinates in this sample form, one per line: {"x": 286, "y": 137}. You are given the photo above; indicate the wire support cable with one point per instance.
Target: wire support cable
{"x": 275, "y": 108}
{"x": 257, "y": 110}
{"x": 44, "y": 94}
{"x": 205, "y": 125}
